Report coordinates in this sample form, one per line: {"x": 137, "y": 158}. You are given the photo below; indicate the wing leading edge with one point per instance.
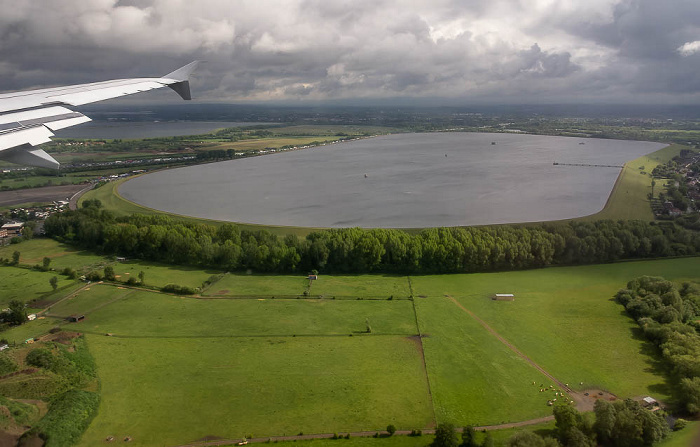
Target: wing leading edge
{"x": 28, "y": 118}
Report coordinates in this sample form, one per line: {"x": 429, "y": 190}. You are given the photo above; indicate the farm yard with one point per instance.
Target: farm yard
{"x": 232, "y": 361}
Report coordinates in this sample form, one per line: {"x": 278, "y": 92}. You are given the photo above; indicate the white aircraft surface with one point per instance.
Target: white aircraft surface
{"x": 28, "y": 118}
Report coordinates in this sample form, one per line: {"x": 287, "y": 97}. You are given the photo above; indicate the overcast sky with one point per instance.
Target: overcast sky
{"x": 498, "y": 51}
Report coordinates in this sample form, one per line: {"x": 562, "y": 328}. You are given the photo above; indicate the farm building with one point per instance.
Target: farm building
{"x": 76, "y": 318}
{"x": 31, "y": 317}
{"x": 313, "y": 277}
{"x": 503, "y": 297}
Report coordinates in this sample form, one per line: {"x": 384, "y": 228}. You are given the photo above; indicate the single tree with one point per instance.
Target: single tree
{"x": 469, "y": 437}
{"x": 445, "y": 436}
{"x": 15, "y": 258}
{"x": 17, "y": 313}
{"x": 109, "y": 273}
{"x": 488, "y": 440}
{"x": 141, "y": 277}
{"x": 46, "y": 262}
{"x": 391, "y": 429}
{"x": 54, "y": 282}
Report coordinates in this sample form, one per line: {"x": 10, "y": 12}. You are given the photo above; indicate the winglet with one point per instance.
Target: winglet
{"x": 182, "y": 75}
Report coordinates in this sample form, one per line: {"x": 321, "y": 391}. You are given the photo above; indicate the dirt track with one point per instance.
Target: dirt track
{"x": 43, "y": 194}
{"x": 214, "y": 441}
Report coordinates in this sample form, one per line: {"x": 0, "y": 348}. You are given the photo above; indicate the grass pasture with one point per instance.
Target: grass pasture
{"x": 87, "y": 300}
{"x": 233, "y": 284}
{"x": 170, "y": 391}
{"x": 238, "y": 362}
{"x": 26, "y": 285}
{"x": 628, "y": 199}
{"x": 33, "y": 251}
{"x": 158, "y": 275}
{"x": 364, "y": 286}
{"x": 475, "y": 380}
{"x": 31, "y": 329}
{"x": 566, "y": 321}
{"x": 133, "y": 313}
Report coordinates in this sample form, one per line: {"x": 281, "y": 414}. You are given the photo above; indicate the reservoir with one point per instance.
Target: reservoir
{"x": 400, "y": 181}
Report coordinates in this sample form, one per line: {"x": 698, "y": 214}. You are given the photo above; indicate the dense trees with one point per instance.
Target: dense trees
{"x": 623, "y": 423}
{"x": 667, "y": 314}
{"x": 356, "y": 250}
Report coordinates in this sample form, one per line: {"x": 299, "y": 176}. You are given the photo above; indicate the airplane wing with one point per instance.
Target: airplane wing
{"x": 28, "y": 118}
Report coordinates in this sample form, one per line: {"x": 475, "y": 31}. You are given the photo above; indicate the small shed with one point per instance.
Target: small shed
{"x": 313, "y": 277}
{"x": 503, "y": 297}
{"x": 76, "y": 318}
{"x": 31, "y": 317}
{"x": 649, "y": 402}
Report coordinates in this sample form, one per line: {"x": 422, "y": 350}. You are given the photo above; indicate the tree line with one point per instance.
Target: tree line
{"x": 666, "y": 314}
{"x": 623, "y": 423}
{"x": 356, "y": 250}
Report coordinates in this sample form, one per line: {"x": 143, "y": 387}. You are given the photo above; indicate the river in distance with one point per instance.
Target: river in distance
{"x": 399, "y": 181}
{"x": 144, "y": 129}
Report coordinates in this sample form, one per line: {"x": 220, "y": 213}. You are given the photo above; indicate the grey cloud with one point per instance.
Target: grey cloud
{"x": 497, "y": 50}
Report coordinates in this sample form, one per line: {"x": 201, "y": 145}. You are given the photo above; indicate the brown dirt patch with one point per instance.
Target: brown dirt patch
{"x": 208, "y": 438}
{"x": 222, "y": 292}
{"x": 586, "y": 399}
{"x": 8, "y": 439}
{"x": 63, "y": 337}
{"x": 43, "y": 194}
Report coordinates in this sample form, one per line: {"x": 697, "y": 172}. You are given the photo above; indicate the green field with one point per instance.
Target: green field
{"x": 136, "y": 313}
{"x": 238, "y": 362}
{"x": 365, "y": 286}
{"x": 26, "y": 285}
{"x": 32, "y": 252}
{"x": 91, "y": 298}
{"x": 233, "y": 284}
{"x": 566, "y": 321}
{"x": 474, "y": 378}
{"x": 628, "y": 199}
{"x": 170, "y": 391}
{"x": 158, "y": 275}
{"x": 683, "y": 438}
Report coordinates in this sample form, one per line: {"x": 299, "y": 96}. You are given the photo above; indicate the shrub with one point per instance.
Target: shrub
{"x": 109, "y": 273}
{"x": 180, "y": 290}
{"x": 69, "y": 272}
{"x": 69, "y": 415}
{"x": 41, "y": 358}
{"x": 7, "y": 365}
{"x": 93, "y": 276}
{"x": 391, "y": 429}
{"x": 679, "y": 424}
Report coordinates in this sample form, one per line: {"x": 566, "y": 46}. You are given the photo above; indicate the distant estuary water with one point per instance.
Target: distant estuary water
{"x": 399, "y": 181}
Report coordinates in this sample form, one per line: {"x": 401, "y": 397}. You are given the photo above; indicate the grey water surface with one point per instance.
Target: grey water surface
{"x": 399, "y": 181}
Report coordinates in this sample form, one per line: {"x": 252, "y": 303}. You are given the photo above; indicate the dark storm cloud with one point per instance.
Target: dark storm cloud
{"x": 495, "y": 50}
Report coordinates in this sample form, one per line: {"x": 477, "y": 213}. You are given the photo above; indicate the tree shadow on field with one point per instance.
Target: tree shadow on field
{"x": 655, "y": 365}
